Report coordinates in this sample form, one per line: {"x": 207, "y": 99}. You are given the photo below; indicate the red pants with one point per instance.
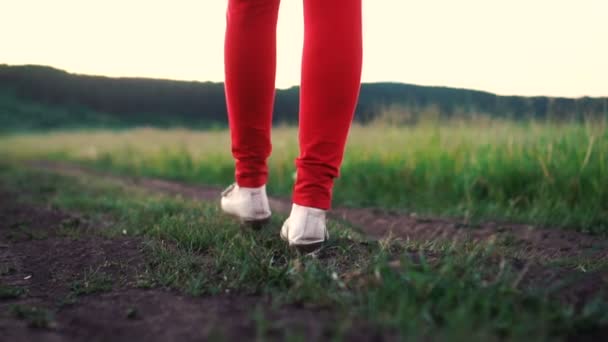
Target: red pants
{"x": 331, "y": 76}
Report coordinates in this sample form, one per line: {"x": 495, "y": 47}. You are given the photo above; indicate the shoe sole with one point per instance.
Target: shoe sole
{"x": 309, "y": 249}
{"x": 255, "y": 224}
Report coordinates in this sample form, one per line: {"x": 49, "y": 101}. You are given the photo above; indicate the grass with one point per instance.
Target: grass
{"x": 10, "y": 292}
{"x": 7, "y": 270}
{"x": 541, "y": 173}
{"x": 22, "y": 233}
{"x": 34, "y": 316}
{"x": 448, "y": 292}
{"x": 93, "y": 281}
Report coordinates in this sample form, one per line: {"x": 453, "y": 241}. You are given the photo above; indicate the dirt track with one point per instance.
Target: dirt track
{"x": 47, "y": 263}
{"x": 534, "y": 242}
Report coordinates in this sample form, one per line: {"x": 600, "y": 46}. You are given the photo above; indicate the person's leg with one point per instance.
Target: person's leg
{"x": 250, "y": 63}
{"x": 331, "y": 76}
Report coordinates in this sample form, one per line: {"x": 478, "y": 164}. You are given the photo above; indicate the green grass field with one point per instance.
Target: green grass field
{"x": 436, "y": 292}
{"x": 538, "y": 173}
{"x": 541, "y": 173}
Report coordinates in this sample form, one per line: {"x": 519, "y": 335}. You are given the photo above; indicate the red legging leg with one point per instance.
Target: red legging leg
{"x": 331, "y": 73}
{"x": 331, "y": 76}
{"x": 250, "y": 64}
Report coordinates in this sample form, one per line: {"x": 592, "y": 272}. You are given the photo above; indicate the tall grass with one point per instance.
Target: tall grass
{"x": 544, "y": 173}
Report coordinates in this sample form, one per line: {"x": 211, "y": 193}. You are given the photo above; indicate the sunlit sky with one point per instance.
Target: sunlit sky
{"x": 510, "y": 47}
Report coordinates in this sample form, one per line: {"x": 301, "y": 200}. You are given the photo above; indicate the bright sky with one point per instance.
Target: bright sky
{"x": 523, "y": 47}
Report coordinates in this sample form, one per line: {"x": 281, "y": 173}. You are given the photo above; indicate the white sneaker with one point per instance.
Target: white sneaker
{"x": 305, "y": 229}
{"x": 250, "y": 205}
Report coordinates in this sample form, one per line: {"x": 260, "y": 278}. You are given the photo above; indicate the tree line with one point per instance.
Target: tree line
{"x": 166, "y": 102}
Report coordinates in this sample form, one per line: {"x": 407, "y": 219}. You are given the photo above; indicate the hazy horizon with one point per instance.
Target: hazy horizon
{"x": 552, "y": 48}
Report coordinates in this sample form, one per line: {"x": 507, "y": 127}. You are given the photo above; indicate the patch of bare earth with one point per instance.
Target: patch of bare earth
{"x": 49, "y": 254}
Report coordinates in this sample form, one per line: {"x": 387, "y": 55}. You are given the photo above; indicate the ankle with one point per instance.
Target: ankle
{"x": 253, "y": 189}
{"x": 310, "y": 210}
{"x": 314, "y": 201}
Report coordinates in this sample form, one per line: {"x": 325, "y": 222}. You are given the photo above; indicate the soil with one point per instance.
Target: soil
{"x": 40, "y": 254}
{"x": 48, "y": 261}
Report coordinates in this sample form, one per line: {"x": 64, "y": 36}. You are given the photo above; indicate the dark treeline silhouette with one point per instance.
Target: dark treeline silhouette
{"x": 133, "y": 101}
